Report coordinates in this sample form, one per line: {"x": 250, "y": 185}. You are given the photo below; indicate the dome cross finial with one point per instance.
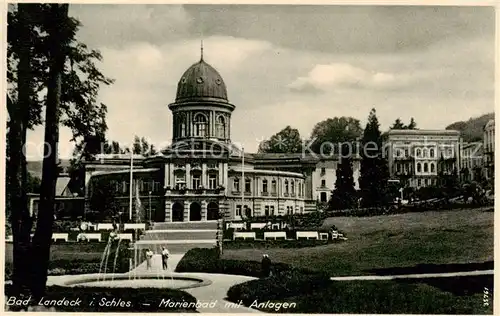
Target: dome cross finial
{"x": 201, "y": 49}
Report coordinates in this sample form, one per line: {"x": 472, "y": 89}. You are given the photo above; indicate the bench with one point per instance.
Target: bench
{"x": 135, "y": 226}
{"x": 307, "y": 235}
{"x": 125, "y": 236}
{"x": 244, "y": 235}
{"x": 60, "y": 236}
{"x": 274, "y": 235}
{"x": 236, "y": 225}
{"x": 105, "y": 226}
{"x": 93, "y": 237}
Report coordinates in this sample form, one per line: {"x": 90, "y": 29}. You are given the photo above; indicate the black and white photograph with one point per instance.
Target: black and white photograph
{"x": 249, "y": 158}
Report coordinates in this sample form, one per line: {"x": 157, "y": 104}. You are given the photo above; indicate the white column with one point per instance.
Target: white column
{"x": 188, "y": 176}
{"x": 204, "y": 175}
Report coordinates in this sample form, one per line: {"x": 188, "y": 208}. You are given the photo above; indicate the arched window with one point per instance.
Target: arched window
{"x": 426, "y": 168}
{"x": 221, "y": 127}
{"x": 236, "y": 185}
{"x": 264, "y": 186}
{"x": 419, "y": 153}
{"x": 424, "y": 152}
{"x": 286, "y": 186}
{"x": 419, "y": 167}
{"x": 432, "y": 153}
{"x": 292, "y": 187}
{"x": 200, "y": 125}
{"x": 433, "y": 168}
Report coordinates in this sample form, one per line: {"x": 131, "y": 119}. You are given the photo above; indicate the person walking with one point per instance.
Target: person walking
{"x": 149, "y": 258}
{"x": 164, "y": 258}
{"x": 266, "y": 266}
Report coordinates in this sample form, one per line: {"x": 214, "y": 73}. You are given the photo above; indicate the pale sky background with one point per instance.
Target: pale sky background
{"x": 290, "y": 65}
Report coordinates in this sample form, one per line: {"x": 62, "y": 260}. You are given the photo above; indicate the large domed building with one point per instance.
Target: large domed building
{"x": 202, "y": 174}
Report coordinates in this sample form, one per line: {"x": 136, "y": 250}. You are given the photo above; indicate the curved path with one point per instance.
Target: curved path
{"x": 214, "y": 292}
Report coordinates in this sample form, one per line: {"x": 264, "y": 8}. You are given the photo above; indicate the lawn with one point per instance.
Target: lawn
{"x": 381, "y": 242}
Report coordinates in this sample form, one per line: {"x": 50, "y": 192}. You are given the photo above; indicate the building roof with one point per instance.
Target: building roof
{"x": 201, "y": 82}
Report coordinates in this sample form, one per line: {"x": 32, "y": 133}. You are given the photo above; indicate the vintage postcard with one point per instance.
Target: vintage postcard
{"x": 177, "y": 158}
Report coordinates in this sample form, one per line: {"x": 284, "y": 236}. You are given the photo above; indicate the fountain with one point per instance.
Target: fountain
{"x": 137, "y": 277}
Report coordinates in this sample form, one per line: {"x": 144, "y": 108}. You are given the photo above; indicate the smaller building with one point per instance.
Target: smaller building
{"x": 415, "y": 157}
{"x": 471, "y": 161}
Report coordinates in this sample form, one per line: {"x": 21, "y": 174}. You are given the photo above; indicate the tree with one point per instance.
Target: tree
{"x": 34, "y": 54}
{"x": 285, "y": 141}
{"x": 374, "y": 171}
{"x": 59, "y": 32}
{"x": 102, "y": 199}
{"x": 328, "y": 134}
{"x": 344, "y": 195}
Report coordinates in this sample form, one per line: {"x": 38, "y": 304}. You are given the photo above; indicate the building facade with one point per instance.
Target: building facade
{"x": 415, "y": 157}
{"x": 471, "y": 161}
{"x": 203, "y": 175}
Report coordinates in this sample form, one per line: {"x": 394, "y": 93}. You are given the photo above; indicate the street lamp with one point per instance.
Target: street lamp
{"x": 150, "y": 206}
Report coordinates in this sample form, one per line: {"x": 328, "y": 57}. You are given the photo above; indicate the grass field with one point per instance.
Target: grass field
{"x": 404, "y": 240}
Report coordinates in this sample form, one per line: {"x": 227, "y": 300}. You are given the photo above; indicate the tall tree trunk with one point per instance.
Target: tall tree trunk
{"x": 43, "y": 234}
{"x": 16, "y": 170}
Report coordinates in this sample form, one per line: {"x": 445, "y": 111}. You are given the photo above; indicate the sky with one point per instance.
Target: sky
{"x": 290, "y": 65}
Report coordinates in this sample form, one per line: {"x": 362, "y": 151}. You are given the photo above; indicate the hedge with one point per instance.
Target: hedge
{"x": 133, "y": 299}
{"x": 80, "y": 258}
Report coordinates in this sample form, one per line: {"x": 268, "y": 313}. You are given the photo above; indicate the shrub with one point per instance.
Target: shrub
{"x": 285, "y": 283}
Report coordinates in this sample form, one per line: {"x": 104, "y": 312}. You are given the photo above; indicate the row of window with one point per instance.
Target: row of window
{"x": 289, "y": 187}
{"x": 196, "y": 165}
{"x": 143, "y": 186}
{"x": 268, "y": 210}
{"x": 426, "y": 167}
{"x": 422, "y": 152}
{"x": 196, "y": 183}
{"x": 201, "y": 126}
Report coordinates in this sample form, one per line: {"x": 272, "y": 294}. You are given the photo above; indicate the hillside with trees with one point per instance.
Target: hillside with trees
{"x": 472, "y": 130}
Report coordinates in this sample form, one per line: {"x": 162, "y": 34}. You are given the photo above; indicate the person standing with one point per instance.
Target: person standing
{"x": 164, "y": 258}
{"x": 149, "y": 258}
{"x": 266, "y": 266}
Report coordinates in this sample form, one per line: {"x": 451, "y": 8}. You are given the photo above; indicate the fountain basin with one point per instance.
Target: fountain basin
{"x": 128, "y": 280}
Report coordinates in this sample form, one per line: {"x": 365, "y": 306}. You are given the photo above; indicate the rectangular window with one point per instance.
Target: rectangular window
{"x": 264, "y": 186}
{"x": 273, "y": 187}
{"x": 212, "y": 181}
{"x": 238, "y": 210}
{"x": 323, "y": 170}
{"x": 236, "y": 185}
{"x": 196, "y": 181}
{"x": 248, "y": 186}
{"x": 323, "y": 183}
{"x": 266, "y": 208}
{"x": 272, "y": 209}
